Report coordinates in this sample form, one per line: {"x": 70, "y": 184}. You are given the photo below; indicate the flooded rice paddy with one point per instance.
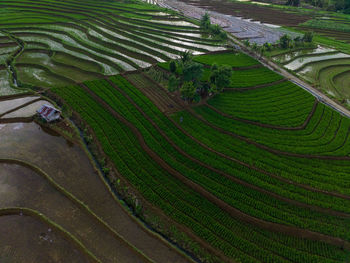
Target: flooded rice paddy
{"x": 300, "y": 62}
{"x": 21, "y": 237}
{"x": 69, "y": 167}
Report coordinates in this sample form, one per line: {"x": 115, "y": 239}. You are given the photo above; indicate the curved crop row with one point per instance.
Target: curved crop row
{"x": 176, "y": 200}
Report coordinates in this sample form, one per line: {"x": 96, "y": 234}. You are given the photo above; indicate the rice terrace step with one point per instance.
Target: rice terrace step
{"x": 173, "y": 131}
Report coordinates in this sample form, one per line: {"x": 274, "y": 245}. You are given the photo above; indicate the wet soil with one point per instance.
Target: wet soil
{"x": 70, "y": 167}
{"x": 26, "y": 239}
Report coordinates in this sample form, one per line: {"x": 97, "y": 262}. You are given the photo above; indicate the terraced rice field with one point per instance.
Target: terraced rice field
{"x": 258, "y": 174}
{"x": 326, "y": 68}
{"x": 67, "y": 43}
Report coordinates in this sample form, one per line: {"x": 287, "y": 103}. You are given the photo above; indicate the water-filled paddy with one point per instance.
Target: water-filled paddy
{"x": 27, "y": 111}
{"x": 343, "y": 80}
{"x": 22, "y": 187}
{"x": 8, "y": 105}
{"x": 300, "y": 62}
{"x": 289, "y": 56}
{"x": 40, "y": 78}
{"x": 43, "y": 59}
{"x": 5, "y": 87}
{"x": 26, "y": 239}
{"x": 69, "y": 166}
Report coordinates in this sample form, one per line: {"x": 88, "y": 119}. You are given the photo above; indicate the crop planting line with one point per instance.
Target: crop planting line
{"x": 301, "y": 127}
{"x": 285, "y": 180}
{"x": 178, "y": 103}
{"x": 264, "y": 147}
{"x": 41, "y": 217}
{"x": 345, "y": 140}
{"x": 230, "y": 177}
{"x": 184, "y": 228}
{"x": 235, "y": 68}
{"x": 163, "y": 106}
{"x": 79, "y": 203}
{"x": 274, "y": 227}
{"x": 205, "y": 244}
{"x": 20, "y": 106}
{"x": 144, "y": 226}
{"x": 324, "y": 99}
{"x": 257, "y": 86}
{"x": 314, "y": 92}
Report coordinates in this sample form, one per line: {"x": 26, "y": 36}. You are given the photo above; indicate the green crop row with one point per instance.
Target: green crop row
{"x": 326, "y": 131}
{"x": 264, "y": 181}
{"x": 321, "y": 174}
{"x": 149, "y": 108}
{"x": 231, "y": 59}
{"x": 240, "y": 197}
{"x": 282, "y": 104}
{"x": 116, "y": 140}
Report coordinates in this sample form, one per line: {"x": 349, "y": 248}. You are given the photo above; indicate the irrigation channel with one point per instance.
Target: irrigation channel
{"x": 50, "y": 189}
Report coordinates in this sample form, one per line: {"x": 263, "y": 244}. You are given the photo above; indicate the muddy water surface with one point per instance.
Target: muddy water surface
{"x": 70, "y": 167}
{"x": 21, "y": 187}
{"x": 26, "y": 239}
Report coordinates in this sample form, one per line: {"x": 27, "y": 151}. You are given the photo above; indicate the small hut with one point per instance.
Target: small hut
{"x": 49, "y": 113}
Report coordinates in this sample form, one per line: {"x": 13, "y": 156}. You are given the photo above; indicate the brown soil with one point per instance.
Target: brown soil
{"x": 22, "y": 237}
{"x": 22, "y": 179}
{"x": 260, "y": 13}
{"x": 71, "y": 168}
{"x": 157, "y": 94}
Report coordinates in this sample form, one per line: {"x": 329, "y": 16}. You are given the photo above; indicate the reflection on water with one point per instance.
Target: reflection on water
{"x": 18, "y": 126}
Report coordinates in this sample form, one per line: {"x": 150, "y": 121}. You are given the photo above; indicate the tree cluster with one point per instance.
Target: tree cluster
{"x": 287, "y": 42}
{"x": 213, "y": 30}
{"x": 186, "y": 76}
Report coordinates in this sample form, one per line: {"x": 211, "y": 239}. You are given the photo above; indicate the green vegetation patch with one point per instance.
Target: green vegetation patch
{"x": 232, "y": 59}
{"x": 327, "y": 24}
